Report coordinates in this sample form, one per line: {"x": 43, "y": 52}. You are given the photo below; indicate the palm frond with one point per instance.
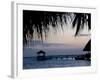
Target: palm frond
{"x": 41, "y": 20}
{"x": 38, "y": 22}
{"x": 80, "y": 21}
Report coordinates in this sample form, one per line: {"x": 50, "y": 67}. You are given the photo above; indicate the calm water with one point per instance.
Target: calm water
{"x": 32, "y": 63}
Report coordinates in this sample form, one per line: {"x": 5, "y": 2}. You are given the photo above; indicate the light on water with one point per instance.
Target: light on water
{"x": 32, "y": 63}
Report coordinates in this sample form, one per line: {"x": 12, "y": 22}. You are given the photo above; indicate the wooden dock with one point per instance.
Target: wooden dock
{"x": 62, "y": 57}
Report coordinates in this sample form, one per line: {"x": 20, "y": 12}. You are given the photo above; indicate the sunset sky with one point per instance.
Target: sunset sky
{"x": 59, "y": 42}
{"x": 66, "y": 36}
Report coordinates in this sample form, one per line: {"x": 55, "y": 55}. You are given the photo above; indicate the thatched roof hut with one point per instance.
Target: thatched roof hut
{"x": 41, "y": 55}
{"x": 88, "y": 46}
{"x": 41, "y": 52}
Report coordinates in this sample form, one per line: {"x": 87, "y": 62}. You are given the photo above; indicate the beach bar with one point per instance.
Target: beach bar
{"x": 41, "y": 55}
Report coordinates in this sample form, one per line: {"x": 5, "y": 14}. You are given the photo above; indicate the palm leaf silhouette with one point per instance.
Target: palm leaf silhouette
{"x": 80, "y": 20}
{"x": 38, "y": 22}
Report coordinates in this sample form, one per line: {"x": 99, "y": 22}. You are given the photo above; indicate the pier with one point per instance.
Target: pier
{"x": 62, "y": 57}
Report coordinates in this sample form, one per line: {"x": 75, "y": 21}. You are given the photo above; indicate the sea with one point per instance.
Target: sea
{"x": 33, "y": 63}
{"x": 30, "y": 56}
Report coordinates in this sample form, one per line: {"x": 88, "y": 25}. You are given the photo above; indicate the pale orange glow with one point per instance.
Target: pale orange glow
{"x": 67, "y": 37}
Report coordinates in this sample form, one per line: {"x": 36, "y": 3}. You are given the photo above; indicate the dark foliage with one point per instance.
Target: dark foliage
{"x": 81, "y": 20}
{"x": 38, "y": 22}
